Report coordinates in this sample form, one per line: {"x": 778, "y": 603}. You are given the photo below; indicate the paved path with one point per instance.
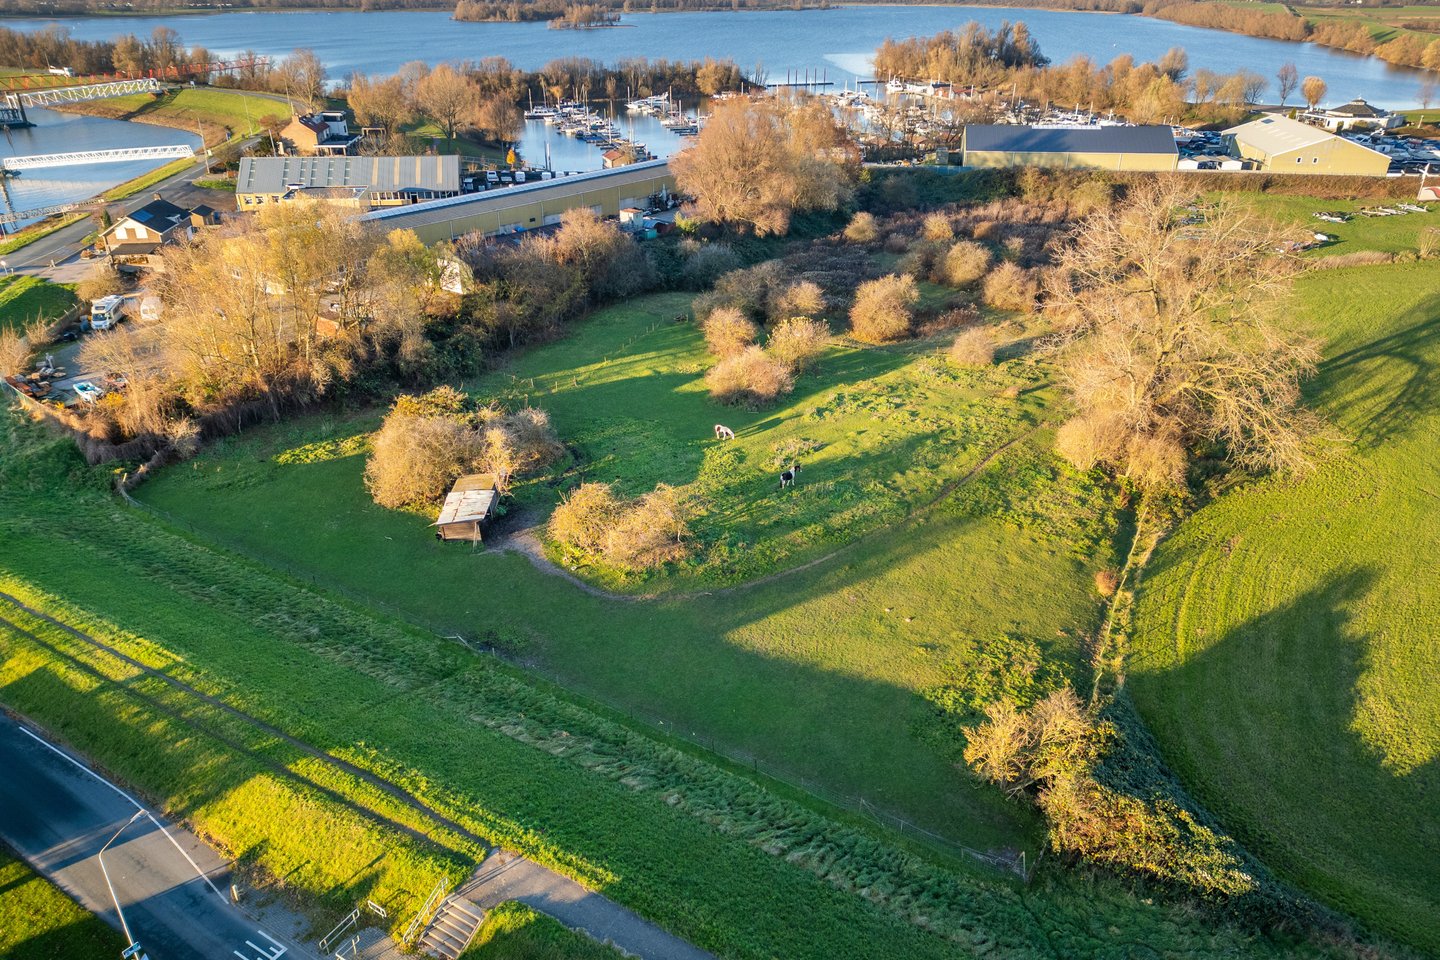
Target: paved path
{"x": 59, "y": 814}
{"x": 506, "y": 876}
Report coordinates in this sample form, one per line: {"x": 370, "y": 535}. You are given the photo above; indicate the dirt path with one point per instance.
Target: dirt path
{"x": 525, "y": 540}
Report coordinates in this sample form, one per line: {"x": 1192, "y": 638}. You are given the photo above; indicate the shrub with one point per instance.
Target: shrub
{"x": 1106, "y": 582}
{"x": 973, "y": 348}
{"x": 897, "y": 243}
{"x": 882, "y": 308}
{"x": 582, "y": 521}
{"x": 966, "y": 262}
{"x": 1429, "y": 244}
{"x": 1009, "y": 287}
{"x": 415, "y": 459}
{"x": 751, "y": 376}
{"x": 1359, "y": 258}
{"x": 728, "y": 331}
{"x": 707, "y": 264}
{"x": 797, "y": 341}
{"x": 937, "y": 228}
{"x": 14, "y": 353}
{"x": 103, "y": 282}
{"x": 596, "y": 524}
{"x": 801, "y": 299}
{"x": 862, "y": 228}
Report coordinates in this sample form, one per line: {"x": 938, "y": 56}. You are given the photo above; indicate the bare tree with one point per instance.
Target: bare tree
{"x": 383, "y": 103}
{"x": 448, "y": 98}
{"x": 1171, "y": 341}
{"x": 1287, "y": 78}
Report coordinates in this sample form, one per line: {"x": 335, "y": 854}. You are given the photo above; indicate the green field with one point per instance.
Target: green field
{"x": 39, "y": 922}
{"x": 1286, "y": 654}
{"x": 1387, "y": 234}
{"x": 186, "y": 107}
{"x": 513, "y": 931}
{"x": 24, "y": 299}
{"x": 821, "y": 674}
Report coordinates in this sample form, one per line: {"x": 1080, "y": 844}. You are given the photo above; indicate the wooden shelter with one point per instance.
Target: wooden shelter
{"x": 469, "y": 505}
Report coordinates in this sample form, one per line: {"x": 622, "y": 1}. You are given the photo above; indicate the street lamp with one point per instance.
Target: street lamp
{"x": 133, "y": 950}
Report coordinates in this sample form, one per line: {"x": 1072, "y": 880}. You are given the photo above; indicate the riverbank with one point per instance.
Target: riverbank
{"x": 216, "y": 114}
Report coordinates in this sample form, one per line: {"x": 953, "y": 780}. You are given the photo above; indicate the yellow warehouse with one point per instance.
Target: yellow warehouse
{"x": 1281, "y": 145}
{"x": 1147, "y": 148}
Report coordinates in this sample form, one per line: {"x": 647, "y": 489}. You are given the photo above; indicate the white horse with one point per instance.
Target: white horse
{"x": 723, "y": 432}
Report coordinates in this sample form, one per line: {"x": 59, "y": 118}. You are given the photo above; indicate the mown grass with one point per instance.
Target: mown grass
{"x": 24, "y": 299}
{"x": 513, "y": 931}
{"x": 819, "y": 675}
{"x": 185, "y": 107}
{"x": 1286, "y": 652}
{"x": 39, "y": 922}
{"x": 1387, "y": 234}
{"x": 736, "y": 868}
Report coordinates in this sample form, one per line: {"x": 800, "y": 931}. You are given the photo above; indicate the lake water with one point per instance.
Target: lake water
{"x": 69, "y": 133}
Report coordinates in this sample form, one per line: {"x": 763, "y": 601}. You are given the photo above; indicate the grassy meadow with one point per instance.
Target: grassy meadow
{"x": 513, "y": 931}
{"x": 1285, "y": 652}
{"x": 39, "y": 922}
{"x": 820, "y": 675}
{"x": 25, "y": 299}
{"x": 212, "y": 108}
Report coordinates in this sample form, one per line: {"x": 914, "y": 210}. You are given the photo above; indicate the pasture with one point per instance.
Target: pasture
{"x": 39, "y": 922}
{"x": 1285, "y": 653}
{"x": 818, "y": 675}
{"x": 23, "y": 300}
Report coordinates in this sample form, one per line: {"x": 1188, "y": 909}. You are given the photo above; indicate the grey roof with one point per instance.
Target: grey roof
{"x": 1015, "y": 138}
{"x": 380, "y": 174}
{"x": 159, "y": 215}
{"x": 1357, "y": 108}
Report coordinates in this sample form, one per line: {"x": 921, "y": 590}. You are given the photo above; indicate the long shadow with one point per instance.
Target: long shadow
{"x": 1260, "y": 725}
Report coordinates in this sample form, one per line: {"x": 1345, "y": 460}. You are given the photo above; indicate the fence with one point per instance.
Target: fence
{"x": 724, "y": 756}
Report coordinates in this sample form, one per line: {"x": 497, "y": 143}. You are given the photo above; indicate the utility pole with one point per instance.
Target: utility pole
{"x": 133, "y": 950}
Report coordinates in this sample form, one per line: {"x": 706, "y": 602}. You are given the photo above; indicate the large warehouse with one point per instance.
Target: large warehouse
{"x": 1281, "y": 145}
{"x": 370, "y": 181}
{"x": 1148, "y": 148}
{"x": 516, "y": 209}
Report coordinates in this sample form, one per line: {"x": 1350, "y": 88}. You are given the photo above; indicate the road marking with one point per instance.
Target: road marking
{"x": 262, "y": 953}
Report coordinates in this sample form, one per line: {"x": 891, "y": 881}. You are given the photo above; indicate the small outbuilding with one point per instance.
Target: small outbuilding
{"x": 1281, "y": 145}
{"x": 1146, "y": 148}
{"x": 469, "y": 506}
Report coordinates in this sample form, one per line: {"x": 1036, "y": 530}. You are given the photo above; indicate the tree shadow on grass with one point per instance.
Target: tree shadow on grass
{"x": 1260, "y": 724}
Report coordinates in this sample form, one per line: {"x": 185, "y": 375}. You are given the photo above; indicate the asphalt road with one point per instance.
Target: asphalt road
{"x": 59, "y": 815}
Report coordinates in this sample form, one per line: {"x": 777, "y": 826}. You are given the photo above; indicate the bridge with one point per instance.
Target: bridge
{"x": 79, "y": 93}
{"x": 173, "y": 150}
{"x": 40, "y": 212}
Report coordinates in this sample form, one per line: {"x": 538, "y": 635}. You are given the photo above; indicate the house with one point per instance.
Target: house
{"x": 1281, "y": 145}
{"x": 469, "y": 505}
{"x": 613, "y": 158}
{"x": 360, "y": 182}
{"x": 1355, "y": 115}
{"x": 319, "y": 134}
{"x": 136, "y": 237}
{"x": 1111, "y": 147}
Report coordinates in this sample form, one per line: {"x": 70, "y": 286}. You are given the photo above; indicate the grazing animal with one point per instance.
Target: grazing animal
{"x": 723, "y": 432}
{"x": 787, "y": 478}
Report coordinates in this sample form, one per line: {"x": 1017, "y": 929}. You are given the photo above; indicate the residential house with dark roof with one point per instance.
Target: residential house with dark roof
{"x": 319, "y": 134}
{"x": 1144, "y": 148}
{"x": 139, "y": 234}
{"x": 1355, "y": 115}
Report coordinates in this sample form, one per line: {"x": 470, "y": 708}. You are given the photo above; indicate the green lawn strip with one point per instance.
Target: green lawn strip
{"x": 513, "y": 931}
{"x": 185, "y": 107}
{"x": 39, "y": 922}
{"x": 1394, "y": 234}
{"x": 1286, "y": 653}
{"x": 847, "y": 649}
{"x": 24, "y": 299}
{"x": 38, "y": 231}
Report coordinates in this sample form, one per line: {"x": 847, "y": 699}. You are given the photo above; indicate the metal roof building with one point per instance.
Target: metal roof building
{"x": 532, "y": 205}
{"x": 388, "y": 181}
{"x": 1145, "y": 148}
{"x": 1281, "y": 145}
{"x": 468, "y": 506}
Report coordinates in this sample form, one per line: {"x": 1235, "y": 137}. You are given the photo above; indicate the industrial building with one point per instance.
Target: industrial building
{"x": 366, "y": 182}
{"x": 1146, "y": 148}
{"x": 531, "y": 205}
{"x": 1281, "y": 145}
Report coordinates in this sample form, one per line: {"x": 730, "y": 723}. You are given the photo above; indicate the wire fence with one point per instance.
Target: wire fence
{"x": 730, "y": 758}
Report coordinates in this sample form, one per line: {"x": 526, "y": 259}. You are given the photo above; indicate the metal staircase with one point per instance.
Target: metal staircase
{"x": 452, "y": 929}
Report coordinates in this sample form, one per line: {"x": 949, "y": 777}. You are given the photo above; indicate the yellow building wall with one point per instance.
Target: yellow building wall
{"x": 1140, "y": 162}
{"x": 1332, "y": 157}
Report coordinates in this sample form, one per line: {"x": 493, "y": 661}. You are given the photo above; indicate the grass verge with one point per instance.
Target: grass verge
{"x": 39, "y": 922}
{"x": 24, "y": 299}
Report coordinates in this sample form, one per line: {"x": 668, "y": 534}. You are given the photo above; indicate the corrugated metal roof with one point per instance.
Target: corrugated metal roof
{"x": 1272, "y": 134}
{"x": 439, "y": 211}
{"x": 1015, "y": 138}
{"x": 466, "y": 506}
{"x": 380, "y": 174}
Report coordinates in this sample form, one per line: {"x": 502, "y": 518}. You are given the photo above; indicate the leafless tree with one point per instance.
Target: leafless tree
{"x": 1287, "y": 78}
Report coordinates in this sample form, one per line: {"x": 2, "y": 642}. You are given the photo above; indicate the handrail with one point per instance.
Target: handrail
{"x": 431, "y": 902}
{"x": 327, "y": 941}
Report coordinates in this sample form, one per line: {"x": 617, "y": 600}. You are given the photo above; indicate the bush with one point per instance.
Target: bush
{"x": 1009, "y": 287}
{"x": 728, "y": 331}
{"x": 751, "y": 377}
{"x": 14, "y": 353}
{"x": 708, "y": 264}
{"x": 897, "y": 243}
{"x": 882, "y": 308}
{"x": 802, "y": 299}
{"x": 103, "y": 282}
{"x": 937, "y": 229}
{"x": 863, "y": 228}
{"x": 973, "y": 348}
{"x": 593, "y": 523}
{"x": 966, "y": 262}
{"x": 1106, "y": 582}
{"x": 1429, "y": 245}
{"x": 582, "y": 521}
{"x": 797, "y": 341}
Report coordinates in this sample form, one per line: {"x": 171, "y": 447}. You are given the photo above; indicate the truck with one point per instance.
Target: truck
{"x": 107, "y": 312}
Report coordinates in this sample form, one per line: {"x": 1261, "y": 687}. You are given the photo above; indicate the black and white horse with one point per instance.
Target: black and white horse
{"x": 723, "y": 432}
{"x": 787, "y": 479}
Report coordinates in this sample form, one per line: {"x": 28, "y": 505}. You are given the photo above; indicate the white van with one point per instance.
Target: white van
{"x": 107, "y": 312}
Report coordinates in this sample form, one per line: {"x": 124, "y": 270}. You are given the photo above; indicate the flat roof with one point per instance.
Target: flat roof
{"x": 454, "y": 208}
{"x": 1018, "y": 138}
{"x": 466, "y": 506}
{"x": 380, "y": 174}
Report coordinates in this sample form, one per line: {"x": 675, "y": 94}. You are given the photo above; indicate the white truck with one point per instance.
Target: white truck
{"x": 107, "y": 312}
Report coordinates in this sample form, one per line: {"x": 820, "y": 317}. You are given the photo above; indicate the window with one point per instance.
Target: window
{"x": 1299, "y": 159}
{"x": 1314, "y": 159}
